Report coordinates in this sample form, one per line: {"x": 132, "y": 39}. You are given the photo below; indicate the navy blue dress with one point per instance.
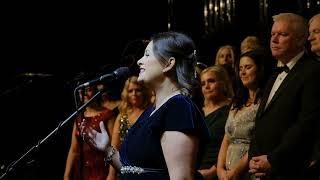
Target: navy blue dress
{"x": 142, "y": 147}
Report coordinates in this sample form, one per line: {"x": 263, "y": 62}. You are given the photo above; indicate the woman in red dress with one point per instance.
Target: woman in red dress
{"x": 83, "y": 161}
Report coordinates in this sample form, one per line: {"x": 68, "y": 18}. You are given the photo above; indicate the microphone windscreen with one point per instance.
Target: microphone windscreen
{"x": 122, "y": 72}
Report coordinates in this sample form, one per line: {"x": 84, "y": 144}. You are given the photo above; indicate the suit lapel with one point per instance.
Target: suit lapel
{"x": 288, "y": 79}
{"x": 266, "y": 93}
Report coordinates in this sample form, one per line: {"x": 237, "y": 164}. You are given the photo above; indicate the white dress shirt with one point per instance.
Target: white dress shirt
{"x": 282, "y": 75}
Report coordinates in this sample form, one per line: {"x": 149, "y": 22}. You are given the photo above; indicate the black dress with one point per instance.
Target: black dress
{"x": 142, "y": 147}
{"x": 208, "y": 153}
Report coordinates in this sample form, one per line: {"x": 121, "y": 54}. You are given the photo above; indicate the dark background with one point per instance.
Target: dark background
{"x": 68, "y": 42}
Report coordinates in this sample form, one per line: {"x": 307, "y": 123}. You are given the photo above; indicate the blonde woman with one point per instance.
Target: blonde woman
{"x": 225, "y": 56}
{"x": 249, "y": 43}
{"x": 135, "y": 97}
{"x": 217, "y": 92}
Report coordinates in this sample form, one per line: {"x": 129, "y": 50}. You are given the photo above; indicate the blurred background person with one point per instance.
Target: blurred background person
{"x": 314, "y": 39}
{"x": 250, "y": 43}
{"x": 83, "y": 161}
{"x": 111, "y": 95}
{"x": 217, "y": 91}
{"x": 135, "y": 97}
{"x": 200, "y": 66}
{"x": 226, "y": 57}
{"x": 197, "y": 98}
{"x": 314, "y": 35}
{"x": 253, "y": 74}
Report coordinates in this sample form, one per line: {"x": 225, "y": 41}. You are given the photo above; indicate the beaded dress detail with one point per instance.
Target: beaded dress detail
{"x": 124, "y": 127}
{"x": 92, "y": 166}
{"x": 239, "y": 128}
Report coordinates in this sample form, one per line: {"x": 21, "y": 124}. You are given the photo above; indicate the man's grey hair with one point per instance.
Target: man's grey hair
{"x": 317, "y": 16}
{"x": 296, "y": 21}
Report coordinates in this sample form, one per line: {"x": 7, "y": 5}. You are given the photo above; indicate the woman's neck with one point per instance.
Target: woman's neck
{"x": 135, "y": 109}
{"x": 165, "y": 92}
{"x": 251, "y": 97}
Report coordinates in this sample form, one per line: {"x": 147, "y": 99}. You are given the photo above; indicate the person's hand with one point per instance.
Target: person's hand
{"x": 312, "y": 163}
{"x": 206, "y": 174}
{"x": 222, "y": 174}
{"x": 259, "y": 165}
{"x": 232, "y": 175}
{"x": 253, "y": 167}
{"x": 96, "y": 139}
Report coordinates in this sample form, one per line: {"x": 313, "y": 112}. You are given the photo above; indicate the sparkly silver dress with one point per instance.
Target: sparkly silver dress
{"x": 239, "y": 129}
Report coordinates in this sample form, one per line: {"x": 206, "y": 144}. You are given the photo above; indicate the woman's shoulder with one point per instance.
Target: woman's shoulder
{"x": 182, "y": 107}
{"x": 111, "y": 104}
{"x": 180, "y": 100}
{"x": 107, "y": 113}
{"x": 223, "y": 110}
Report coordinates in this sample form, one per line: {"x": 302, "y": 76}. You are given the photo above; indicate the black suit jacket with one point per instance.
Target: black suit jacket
{"x": 285, "y": 130}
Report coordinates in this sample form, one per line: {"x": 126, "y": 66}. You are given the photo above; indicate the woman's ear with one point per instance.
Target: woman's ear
{"x": 170, "y": 65}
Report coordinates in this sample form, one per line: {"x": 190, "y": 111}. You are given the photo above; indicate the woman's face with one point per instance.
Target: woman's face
{"x": 135, "y": 96}
{"x": 248, "y": 72}
{"x": 151, "y": 70}
{"x": 225, "y": 57}
{"x": 211, "y": 87}
{"x": 87, "y": 94}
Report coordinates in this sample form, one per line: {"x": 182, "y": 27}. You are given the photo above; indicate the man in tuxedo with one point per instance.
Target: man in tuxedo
{"x": 314, "y": 39}
{"x": 288, "y": 116}
{"x": 314, "y": 35}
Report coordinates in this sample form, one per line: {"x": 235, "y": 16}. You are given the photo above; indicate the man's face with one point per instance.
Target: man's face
{"x": 285, "y": 42}
{"x": 314, "y": 35}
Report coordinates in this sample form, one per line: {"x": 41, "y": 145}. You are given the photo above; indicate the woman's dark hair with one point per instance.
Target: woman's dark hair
{"x": 182, "y": 48}
{"x": 94, "y": 89}
{"x": 264, "y": 63}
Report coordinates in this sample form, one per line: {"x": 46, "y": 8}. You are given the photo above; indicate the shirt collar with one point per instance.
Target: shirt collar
{"x": 292, "y": 62}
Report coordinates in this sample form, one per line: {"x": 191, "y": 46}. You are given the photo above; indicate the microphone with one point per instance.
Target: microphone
{"x": 121, "y": 72}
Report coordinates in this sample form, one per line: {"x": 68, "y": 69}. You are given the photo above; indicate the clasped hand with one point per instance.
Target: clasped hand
{"x": 259, "y": 165}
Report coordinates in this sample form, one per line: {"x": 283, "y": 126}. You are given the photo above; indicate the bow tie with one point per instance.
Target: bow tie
{"x": 280, "y": 69}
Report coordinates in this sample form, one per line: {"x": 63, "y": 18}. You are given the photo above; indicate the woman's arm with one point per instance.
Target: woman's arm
{"x": 114, "y": 159}
{"x": 73, "y": 153}
{"x": 209, "y": 173}
{"x": 221, "y": 166}
{"x": 115, "y": 138}
{"x": 110, "y": 125}
{"x": 101, "y": 142}
{"x": 180, "y": 151}
{"x": 240, "y": 168}
{"x": 115, "y": 142}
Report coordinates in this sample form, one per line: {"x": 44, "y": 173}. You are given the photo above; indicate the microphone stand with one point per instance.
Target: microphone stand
{"x": 13, "y": 164}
